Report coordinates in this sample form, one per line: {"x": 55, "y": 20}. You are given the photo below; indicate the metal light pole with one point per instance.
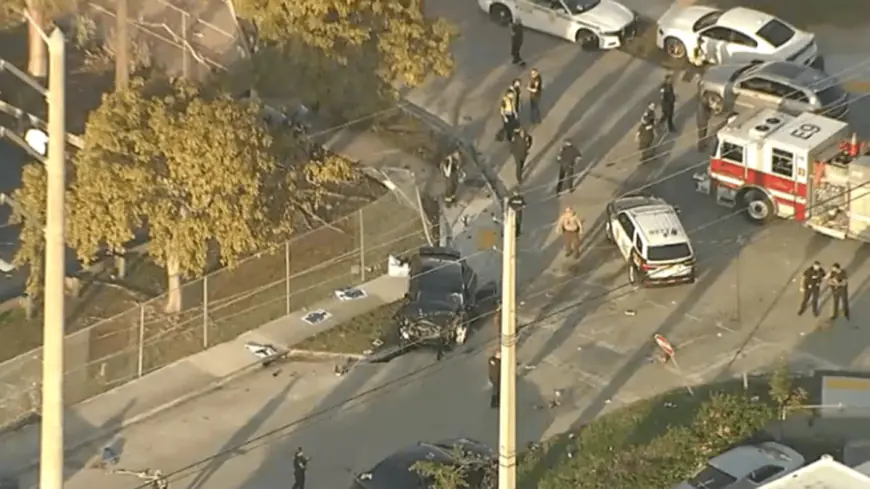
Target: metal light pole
{"x": 507, "y": 414}
{"x": 51, "y": 449}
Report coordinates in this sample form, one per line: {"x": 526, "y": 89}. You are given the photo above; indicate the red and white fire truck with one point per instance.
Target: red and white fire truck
{"x": 808, "y": 168}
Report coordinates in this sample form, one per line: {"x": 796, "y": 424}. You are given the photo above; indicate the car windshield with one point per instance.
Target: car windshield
{"x": 711, "y": 478}
{"x": 706, "y": 21}
{"x": 580, "y": 6}
{"x": 776, "y": 33}
{"x": 671, "y": 252}
{"x": 831, "y": 96}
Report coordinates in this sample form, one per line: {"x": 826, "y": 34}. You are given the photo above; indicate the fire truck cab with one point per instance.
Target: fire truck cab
{"x": 795, "y": 167}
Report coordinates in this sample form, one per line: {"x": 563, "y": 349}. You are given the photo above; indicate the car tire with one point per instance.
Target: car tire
{"x": 675, "y": 48}
{"x": 759, "y": 208}
{"x": 500, "y": 14}
{"x": 714, "y": 102}
{"x": 586, "y": 39}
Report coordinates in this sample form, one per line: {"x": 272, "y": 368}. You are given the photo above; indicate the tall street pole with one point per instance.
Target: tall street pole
{"x": 507, "y": 414}
{"x": 51, "y": 450}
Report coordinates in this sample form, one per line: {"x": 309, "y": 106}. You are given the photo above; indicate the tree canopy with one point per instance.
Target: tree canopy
{"x": 370, "y": 41}
{"x": 28, "y": 210}
{"x": 188, "y": 169}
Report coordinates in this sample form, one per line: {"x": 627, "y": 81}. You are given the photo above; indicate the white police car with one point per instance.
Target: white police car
{"x": 651, "y": 239}
{"x": 602, "y": 24}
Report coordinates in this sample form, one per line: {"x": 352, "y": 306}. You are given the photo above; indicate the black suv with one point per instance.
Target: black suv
{"x": 443, "y": 300}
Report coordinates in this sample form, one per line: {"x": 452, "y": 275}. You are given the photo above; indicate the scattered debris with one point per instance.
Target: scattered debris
{"x": 342, "y": 369}
{"x": 669, "y": 404}
{"x": 316, "y": 317}
{"x": 261, "y": 351}
{"x": 607, "y": 401}
{"x": 377, "y": 343}
{"x": 527, "y": 367}
{"x": 631, "y": 313}
{"x": 556, "y": 401}
{"x": 109, "y": 457}
{"x": 397, "y": 267}
{"x": 350, "y": 294}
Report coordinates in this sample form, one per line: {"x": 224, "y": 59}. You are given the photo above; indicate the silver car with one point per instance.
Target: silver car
{"x": 782, "y": 85}
{"x": 745, "y": 467}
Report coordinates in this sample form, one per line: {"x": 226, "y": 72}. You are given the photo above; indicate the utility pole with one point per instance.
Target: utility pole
{"x": 51, "y": 449}
{"x": 507, "y": 414}
{"x": 122, "y": 48}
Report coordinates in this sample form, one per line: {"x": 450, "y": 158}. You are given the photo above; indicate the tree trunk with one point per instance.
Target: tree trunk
{"x": 37, "y": 60}
{"x": 173, "y": 295}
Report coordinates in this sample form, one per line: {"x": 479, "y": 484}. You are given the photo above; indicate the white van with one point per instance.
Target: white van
{"x": 648, "y": 232}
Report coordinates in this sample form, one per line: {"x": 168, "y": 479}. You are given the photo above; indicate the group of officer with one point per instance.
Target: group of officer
{"x": 646, "y": 131}
{"x": 811, "y": 286}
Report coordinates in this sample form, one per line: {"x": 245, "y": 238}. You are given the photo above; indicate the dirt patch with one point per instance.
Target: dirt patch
{"x": 807, "y": 14}
{"x": 357, "y": 334}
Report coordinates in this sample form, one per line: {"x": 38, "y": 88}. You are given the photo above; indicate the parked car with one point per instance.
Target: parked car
{"x": 602, "y": 24}
{"x": 745, "y": 467}
{"x": 397, "y": 470}
{"x": 443, "y": 300}
{"x": 737, "y": 35}
{"x": 782, "y": 85}
{"x": 651, "y": 239}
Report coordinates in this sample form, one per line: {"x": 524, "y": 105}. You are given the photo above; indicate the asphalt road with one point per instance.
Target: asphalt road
{"x": 591, "y": 334}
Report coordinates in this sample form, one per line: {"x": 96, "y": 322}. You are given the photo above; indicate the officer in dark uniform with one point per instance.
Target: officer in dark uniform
{"x": 494, "y": 364}
{"x": 668, "y": 99}
{"x": 300, "y": 466}
{"x": 811, "y": 284}
{"x": 702, "y": 118}
{"x": 536, "y": 86}
{"x": 517, "y": 42}
{"x": 568, "y": 158}
{"x": 520, "y": 146}
{"x": 646, "y": 133}
{"x": 450, "y": 172}
{"x": 838, "y": 282}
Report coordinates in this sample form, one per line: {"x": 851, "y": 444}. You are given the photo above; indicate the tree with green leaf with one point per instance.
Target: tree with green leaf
{"x": 191, "y": 170}
{"x": 783, "y": 392}
{"x": 28, "y": 211}
{"x": 467, "y": 470}
{"x": 345, "y": 55}
{"x": 41, "y": 13}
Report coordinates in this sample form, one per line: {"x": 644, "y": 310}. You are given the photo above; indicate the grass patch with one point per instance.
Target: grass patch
{"x": 357, "y": 334}
{"x": 807, "y": 14}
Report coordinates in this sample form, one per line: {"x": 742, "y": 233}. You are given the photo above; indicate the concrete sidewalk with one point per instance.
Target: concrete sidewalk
{"x": 187, "y": 379}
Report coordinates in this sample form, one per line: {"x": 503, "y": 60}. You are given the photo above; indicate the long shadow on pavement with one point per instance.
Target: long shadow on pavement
{"x": 231, "y": 447}
{"x": 416, "y": 399}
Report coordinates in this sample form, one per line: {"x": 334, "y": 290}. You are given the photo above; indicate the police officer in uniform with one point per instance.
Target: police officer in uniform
{"x": 517, "y": 42}
{"x": 494, "y": 365}
{"x": 450, "y": 172}
{"x": 521, "y": 143}
{"x": 646, "y": 133}
{"x": 568, "y": 158}
{"x": 838, "y": 282}
{"x": 536, "y": 85}
{"x": 811, "y": 284}
{"x": 668, "y": 99}
{"x": 300, "y": 466}
{"x": 508, "y": 117}
{"x": 702, "y": 117}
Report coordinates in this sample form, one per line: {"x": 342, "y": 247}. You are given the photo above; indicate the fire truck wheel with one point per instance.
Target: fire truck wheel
{"x": 715, "y": 102}
{"x": 758, "y": 207}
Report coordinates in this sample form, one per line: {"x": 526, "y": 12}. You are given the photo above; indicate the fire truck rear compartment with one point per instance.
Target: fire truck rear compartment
{"x": 840, "y": 204}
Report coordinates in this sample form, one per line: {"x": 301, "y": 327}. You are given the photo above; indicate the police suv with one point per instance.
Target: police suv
{"x": 649, "y": 235}
{"x": 602, "y": 24}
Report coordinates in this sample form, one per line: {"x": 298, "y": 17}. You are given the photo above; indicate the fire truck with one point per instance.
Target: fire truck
{"x": 808, "y": 167}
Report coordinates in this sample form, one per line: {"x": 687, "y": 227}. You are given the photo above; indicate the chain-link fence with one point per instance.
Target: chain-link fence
{"x": 296, "y": 275}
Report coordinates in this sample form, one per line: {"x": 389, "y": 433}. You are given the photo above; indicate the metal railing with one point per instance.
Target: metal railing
{"x": 222, "y": 305}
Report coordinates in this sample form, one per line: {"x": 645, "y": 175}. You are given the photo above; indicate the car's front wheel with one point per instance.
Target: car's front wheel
{"x": 500, "y": 14}
{"x": 675, "y": 48}
{"x": 715, "y": 102}
{"x": 586, "y": 39}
